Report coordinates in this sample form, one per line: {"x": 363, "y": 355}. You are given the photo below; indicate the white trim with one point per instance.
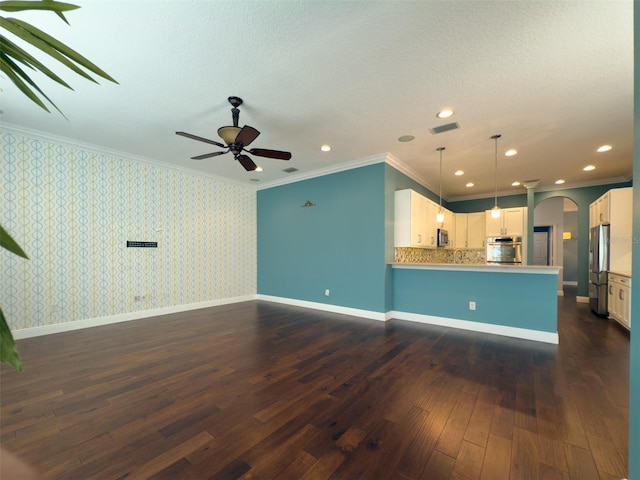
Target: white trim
{"x": 115, "y": 153}
{"x": 561, "y": 293}
{"x": 471, "y": 267}
{"x": 298, "y": 177}
{"x": 570, "y": 283}
{"x": 412, "y": 174}
{"x": 550, "y": 188}
{"x": 524, "y": 333}
{"x": 535, "y": 335}
{"x": 356, "y": 312}
{"x": 122, "y": 317}
{"x": 580, "y": 299}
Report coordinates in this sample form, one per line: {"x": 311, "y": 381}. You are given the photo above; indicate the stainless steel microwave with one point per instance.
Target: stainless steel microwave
{"x": 504, "y": 250}
{"x": 443, "y": 237}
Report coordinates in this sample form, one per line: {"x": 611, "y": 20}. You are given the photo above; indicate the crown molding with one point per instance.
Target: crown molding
{"x": 379, "y": 158}
{"x": 550, "y": 188}
{"x": 16, "y": 130}
{"x": 402, "y": 168}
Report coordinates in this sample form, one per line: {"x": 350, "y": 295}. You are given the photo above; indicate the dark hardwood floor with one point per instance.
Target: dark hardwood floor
{"x": 267, "y": 391}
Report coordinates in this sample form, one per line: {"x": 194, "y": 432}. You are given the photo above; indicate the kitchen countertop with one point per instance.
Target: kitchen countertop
{"x": 482, "y": 267}
{"x": 624, "y": 273}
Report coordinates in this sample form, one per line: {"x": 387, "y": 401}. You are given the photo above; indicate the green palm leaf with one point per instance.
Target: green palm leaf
{"x": 14, "y": 55}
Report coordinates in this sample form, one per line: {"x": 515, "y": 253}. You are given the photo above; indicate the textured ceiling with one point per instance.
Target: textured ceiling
{"x": 554, "y": 78}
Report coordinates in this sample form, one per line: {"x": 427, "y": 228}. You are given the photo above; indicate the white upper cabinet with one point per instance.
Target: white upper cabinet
{"x": 475, "y": 230}
{"x": 411, "y": 211}
{"x": 512, "y": 221}
{"x": 470, "y": 230}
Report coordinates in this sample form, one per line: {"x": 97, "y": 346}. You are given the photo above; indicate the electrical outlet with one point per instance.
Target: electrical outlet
{"x": 472, "y": 305}
{"x": 326, "y": 292}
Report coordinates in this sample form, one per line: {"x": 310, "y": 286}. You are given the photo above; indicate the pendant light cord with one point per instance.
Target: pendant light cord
{"x": 495, "y": 198}
{"x": 440, "y": 149}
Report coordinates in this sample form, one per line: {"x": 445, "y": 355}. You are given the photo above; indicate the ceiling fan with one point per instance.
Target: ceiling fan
{"x": 236, "y": 139}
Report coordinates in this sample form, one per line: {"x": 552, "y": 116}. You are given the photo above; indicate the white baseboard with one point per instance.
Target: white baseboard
{"x": 123, "y": 317}
{"x": 524, "y": 333}
{"x": 580, "y": 299}
{"x": 356, "y": 312}
{"x": 547, "y": 337}
{"x": 570, "y": 283}
{"x": 536, "y": 335}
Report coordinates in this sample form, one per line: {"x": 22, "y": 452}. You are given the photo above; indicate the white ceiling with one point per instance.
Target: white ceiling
{"x": 555, "y": 79}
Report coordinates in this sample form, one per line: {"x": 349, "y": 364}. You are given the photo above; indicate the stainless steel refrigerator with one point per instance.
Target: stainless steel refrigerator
{"x": 598, "y": 269}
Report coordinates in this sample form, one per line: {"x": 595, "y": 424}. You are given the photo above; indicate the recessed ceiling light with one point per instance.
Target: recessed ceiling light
{"x": 604, "y": 148}
{"x": 588, "y": 168}
{"x": 406, "y": 138}
{"x": 559, "y": 182}
{"x": 511, "y": 152}
{"x": 325, "y": 148}
{"x": 469, "y": 185}
{"x": 445, "y": 113}
{"x": 258, "y": 169}
{"x": 515, "y": 184}
{"x": 458, "y": 173}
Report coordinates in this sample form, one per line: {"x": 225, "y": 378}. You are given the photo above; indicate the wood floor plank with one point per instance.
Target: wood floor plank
{"x": 468, "y": 464}
{"x": 524, "y": 455}
{"x": 272, "y": 390}
{"x": 497, "y": 459}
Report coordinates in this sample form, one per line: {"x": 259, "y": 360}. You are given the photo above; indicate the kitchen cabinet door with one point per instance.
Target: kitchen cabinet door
{"x": 510, "y": 222}
{"x": 493, "y": 226}
{"x": 513, "y": 221}
{"x": 431, "y": 224}
{"x": 603, "y": 208}
{"x": 461, "y": 230}
{"x": 619, "y": 297}
{"x": 475, "y": 230}
{"x": 410, "y": 220}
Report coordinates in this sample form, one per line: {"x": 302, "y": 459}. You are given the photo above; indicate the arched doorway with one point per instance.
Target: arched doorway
{"x": 555, "y": 239}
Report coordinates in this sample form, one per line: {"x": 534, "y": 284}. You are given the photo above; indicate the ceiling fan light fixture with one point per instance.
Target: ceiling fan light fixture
{"x": 228, "y": 134}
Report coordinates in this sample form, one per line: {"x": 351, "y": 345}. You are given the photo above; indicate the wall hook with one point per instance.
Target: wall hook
{"x": 308, "y": 203}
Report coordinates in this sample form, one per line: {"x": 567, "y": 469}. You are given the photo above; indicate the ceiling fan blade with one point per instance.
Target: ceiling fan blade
{"x": 247, "y": 135}
{"x": 207, "y": 155}
{"x": 200, "y": 139}
{"x": 263, "y": 152}
{"x": 246, "y": 162}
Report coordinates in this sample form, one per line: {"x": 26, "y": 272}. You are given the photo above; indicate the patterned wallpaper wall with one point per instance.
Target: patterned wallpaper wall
{"x": 72, "y": 209}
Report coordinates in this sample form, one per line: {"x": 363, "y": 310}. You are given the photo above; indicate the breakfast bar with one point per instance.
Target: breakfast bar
{"x": 517, "y": 301}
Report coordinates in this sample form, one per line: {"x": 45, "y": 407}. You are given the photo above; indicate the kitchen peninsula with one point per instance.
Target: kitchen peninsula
{"x": 515, "y": 301}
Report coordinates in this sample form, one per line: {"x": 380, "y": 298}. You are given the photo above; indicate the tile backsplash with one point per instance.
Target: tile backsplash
{"x": 439, "y": 255}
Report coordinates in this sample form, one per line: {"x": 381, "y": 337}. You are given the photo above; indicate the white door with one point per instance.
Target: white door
{"x": 540, "y": 242}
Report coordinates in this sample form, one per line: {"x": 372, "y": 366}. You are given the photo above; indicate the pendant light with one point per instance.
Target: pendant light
{"x": 440, "y": 215}
{"x": 495, "y": 211}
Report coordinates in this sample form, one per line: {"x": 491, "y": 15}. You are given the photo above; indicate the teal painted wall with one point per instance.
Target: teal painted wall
{"x": 499, "y": 297}
{"x": 634, "y": 366}
{"x": 482, "y": 204}
{"x": 338, "y": 244}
